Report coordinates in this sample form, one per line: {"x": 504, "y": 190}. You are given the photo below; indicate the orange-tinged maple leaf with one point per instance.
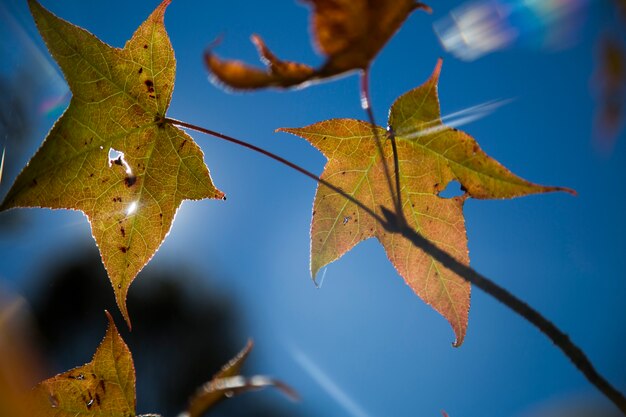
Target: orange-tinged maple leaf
{"x": 430, "y": 156}
{"x": 103, "y": 387}
{"x": 119, "y": 100}
{"x": 350, "y": 33}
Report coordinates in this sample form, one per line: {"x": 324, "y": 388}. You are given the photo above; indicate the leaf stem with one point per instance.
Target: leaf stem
{"x": 366, "y": 104}
{"x": 393, "y": 224}
{"x": 280, "y": 159}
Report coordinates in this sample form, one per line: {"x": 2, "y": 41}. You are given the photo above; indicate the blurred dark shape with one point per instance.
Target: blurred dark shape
{"x": 610, "y": 79}
{"x": 621, "y": 9}
{"x": 575, "y": 407}
{"x": 183, "y": 332}
{"x": 610, "y": 83}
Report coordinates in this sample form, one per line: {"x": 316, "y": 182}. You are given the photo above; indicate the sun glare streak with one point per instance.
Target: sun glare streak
{"x": 2, "y": 164}
{"x": 348, "y": 404}
{"x": 132, "y": 208}
{"x": 60, "y": 94}
{"x": 32, "y": 48}
{"x": 455, "y": 119}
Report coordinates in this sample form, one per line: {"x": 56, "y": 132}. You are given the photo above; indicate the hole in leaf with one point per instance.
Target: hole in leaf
{"x": 453, "y": 189}
{"x": 117, "y": 157}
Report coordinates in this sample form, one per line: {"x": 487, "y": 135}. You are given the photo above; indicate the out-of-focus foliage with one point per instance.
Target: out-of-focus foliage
{"x": 349, "y": 33}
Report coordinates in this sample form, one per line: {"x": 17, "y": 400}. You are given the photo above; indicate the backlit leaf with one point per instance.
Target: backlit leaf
{"x": 350, "y": 33}
{"x": 431, "y": 155}
{"x": 111, "y": 155}
{"x": 103, "y": 387}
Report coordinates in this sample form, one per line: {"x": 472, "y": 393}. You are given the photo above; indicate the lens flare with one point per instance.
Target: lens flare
{"x": 2, "y": 164}
{"x": 455, "y": 119}
{"x": 55, "y": 105}
{"x": 478, "y": 28}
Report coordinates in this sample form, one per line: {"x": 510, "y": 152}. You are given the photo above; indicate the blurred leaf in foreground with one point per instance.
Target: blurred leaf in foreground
{"x": 349, "y": 33}
{"x": 228, "y": 382}
{"x": 103, "y": 387}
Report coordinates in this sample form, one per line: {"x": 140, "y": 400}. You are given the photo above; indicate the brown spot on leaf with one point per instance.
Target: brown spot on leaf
{"x": 123, "y": 232}
{"x": 145, "y": 47}
{"x": 130, "y": 180}
{"x": 124, "y": 249}
{"x": 150, "y": 85}
{"x": 140, "y": 70}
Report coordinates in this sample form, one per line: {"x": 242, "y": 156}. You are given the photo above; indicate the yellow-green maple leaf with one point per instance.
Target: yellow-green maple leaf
{"x": 119, "y": 100}
{"x": 103, "y": 387}
{"x": 430, "y": 156}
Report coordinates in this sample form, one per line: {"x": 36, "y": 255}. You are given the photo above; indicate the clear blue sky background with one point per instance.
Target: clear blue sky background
{"x": 364, "y": 344}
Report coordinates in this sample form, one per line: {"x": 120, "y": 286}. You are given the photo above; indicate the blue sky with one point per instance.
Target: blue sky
{"x": 363, "y": 344}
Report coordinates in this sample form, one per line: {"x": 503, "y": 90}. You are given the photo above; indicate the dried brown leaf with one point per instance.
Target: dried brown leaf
{"x": 349, "y": 33}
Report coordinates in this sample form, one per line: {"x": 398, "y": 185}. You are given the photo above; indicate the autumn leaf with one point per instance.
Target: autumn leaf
{"x": 349, "y": 33}
{"x": 111, "y": 155}
{"x": 103, "y": 387}
{"x": 228, "y": 382}
{"x": 431, "y": 155}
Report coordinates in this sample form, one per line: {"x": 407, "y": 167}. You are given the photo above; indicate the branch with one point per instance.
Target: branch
{"x": 393, "y": 224}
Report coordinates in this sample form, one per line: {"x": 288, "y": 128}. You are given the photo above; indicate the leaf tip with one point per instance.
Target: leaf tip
{"x": 120, "y": 298}
{"x": 109, "y": 317}
{"x": 568, "y": 190}
{"x": 437, "y": 71}
{"x": 423, "y": 6}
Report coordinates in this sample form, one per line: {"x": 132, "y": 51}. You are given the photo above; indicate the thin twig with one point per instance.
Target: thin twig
{"x": 392, "y": 224}
{"x": 366, "y": 104}
{"x": 280, "y": 159}
{"x": 560, "y": 339}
